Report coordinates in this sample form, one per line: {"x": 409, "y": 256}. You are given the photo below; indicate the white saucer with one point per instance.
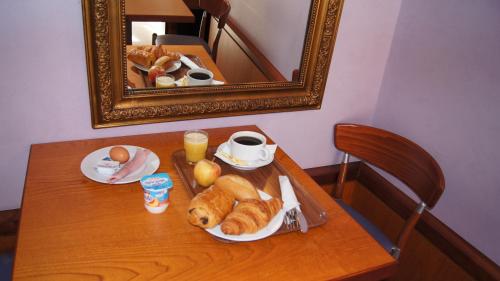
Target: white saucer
{"x": 224, "y": 153}
{"x": 88, "y": 165}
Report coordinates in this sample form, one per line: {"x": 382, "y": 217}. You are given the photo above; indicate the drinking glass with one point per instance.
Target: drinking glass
{"x": 195, "y": 145}
{"x": 165, "y": 81}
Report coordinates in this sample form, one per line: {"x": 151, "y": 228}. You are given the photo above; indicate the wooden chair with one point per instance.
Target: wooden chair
{"x": 397, "y": 156}
{"x": 218, "y": 9}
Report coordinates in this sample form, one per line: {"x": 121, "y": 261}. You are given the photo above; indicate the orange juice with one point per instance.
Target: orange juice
{"x": 165, "y": 81}
{"x": 195, "y": 145}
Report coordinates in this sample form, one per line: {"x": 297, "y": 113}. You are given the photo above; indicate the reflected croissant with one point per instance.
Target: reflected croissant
{"x": 249, "y": 216}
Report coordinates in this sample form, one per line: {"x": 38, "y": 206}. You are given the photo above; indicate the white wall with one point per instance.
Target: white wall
{"x": 441, "y": 88}
{"x": 43, "y": 40}
{"x": 277, "y": 28}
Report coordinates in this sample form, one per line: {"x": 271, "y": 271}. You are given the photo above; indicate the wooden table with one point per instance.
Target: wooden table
{"x": 72, "y": 228}
{"x": 136, "y": 77}
{"x": 169, "y": 11}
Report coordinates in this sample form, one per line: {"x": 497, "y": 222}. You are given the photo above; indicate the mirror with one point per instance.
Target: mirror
{"x": 245, "y": 59}
{"x": 254, "y": 46}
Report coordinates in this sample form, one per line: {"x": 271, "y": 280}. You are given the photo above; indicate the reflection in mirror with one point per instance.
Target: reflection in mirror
{"x": 255, "y": 58}
{"x": 233, "y": 41}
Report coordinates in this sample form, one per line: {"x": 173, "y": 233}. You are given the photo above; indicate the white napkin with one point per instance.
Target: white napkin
{"x": 288, "y": 195}
{"x": 189, "y": 62}
{"x": 217, "y": 82}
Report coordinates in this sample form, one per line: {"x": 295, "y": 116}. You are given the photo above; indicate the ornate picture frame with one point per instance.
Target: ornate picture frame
{"x": 113, "y": 105}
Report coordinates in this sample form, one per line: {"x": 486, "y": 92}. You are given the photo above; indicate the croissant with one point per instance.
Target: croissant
{"x": 209, "y": 207}
{"x": 141, "y": 57}
{"x": 157, "y": 51}
{"x": 165, "y": 61}
{"x": 249, "y": 216}
{"x": 241, "y": 188}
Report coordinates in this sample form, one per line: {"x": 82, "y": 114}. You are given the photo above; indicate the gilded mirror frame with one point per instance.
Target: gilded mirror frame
{"x": 113, "y": 105}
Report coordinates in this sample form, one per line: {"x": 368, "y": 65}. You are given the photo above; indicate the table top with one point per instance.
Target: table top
{"x": 73, "y": 228}
{"x": 136, "y": 77}
{"x": 158, "y": 10}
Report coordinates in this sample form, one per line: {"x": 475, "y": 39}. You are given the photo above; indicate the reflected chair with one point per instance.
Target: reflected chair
{"x": 397, "y": 156}
{"x": 216, "y": 8}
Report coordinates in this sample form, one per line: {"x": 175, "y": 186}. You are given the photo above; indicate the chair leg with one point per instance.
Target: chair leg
{"x": 154, "y": 39}
{"x": 339, "y": 189}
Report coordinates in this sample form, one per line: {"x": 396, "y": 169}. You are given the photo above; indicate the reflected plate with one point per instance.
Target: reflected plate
{"x": 173, "y": 68}
{"x": 270, "y": 228}
{"x": 90, "y": 161}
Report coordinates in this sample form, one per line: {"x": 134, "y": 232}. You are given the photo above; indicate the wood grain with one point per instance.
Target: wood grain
{"x": 264, "y": 178}
{"x": 396, "y": 155}
{"x": 158, "y": 10}
{"x": 436, "y": 252}
{"x": 72, "y": 228}
{"x": 444, "y": 239}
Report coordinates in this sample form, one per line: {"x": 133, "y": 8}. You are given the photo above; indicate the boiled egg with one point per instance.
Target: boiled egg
{"x": 119, "y": 153}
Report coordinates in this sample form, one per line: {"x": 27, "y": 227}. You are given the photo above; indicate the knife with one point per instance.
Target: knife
{"x": 189, "y": 63}
{"x": 290, "y": 202}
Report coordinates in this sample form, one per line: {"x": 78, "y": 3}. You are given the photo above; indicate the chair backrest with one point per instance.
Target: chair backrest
{"x": 219, "y": 9}
{"x": 398, "y": 156}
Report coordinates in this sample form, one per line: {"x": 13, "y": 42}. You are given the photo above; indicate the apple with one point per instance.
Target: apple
{"x": 154, "y": 71}
{"x": 206, "y": 172}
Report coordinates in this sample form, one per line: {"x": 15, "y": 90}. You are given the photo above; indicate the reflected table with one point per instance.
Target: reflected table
{"x": 169, "y": 11}
{"x": 137, "y": 79}
{"x": 73, "y": 228}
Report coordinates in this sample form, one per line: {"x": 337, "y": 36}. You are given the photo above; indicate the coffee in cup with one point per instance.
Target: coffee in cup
{"x": 248, "y": 146}
{"x": 199, "y": 77}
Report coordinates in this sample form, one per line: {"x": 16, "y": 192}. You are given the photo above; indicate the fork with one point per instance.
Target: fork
{"x": 291, "y": 222}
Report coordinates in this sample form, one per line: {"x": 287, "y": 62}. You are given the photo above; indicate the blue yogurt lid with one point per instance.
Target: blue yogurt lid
{"x": 157, "y": 181}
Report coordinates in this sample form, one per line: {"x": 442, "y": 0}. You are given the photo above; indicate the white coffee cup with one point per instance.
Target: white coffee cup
{"x": 199, "y": 77}
{"x": 248, "y": 146}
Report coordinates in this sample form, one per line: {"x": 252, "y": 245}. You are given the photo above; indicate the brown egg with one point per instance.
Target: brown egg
{"x": 119, "y": 153}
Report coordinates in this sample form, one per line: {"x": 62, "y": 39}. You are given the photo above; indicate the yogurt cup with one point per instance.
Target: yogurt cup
{"x": 156, "y": 188}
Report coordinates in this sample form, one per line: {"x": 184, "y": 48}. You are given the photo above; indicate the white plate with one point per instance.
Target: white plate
{"x": 89, "y": 162}
{"x": 224, "y": 153}
{"x": 270, "y": 228}
{"x": 173, "y": 68}
{"x": 141, "y": 67}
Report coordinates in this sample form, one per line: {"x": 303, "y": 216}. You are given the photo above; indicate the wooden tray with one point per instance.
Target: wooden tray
{"x": 178, "y": 74}
{"x": 264, "y": 178}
